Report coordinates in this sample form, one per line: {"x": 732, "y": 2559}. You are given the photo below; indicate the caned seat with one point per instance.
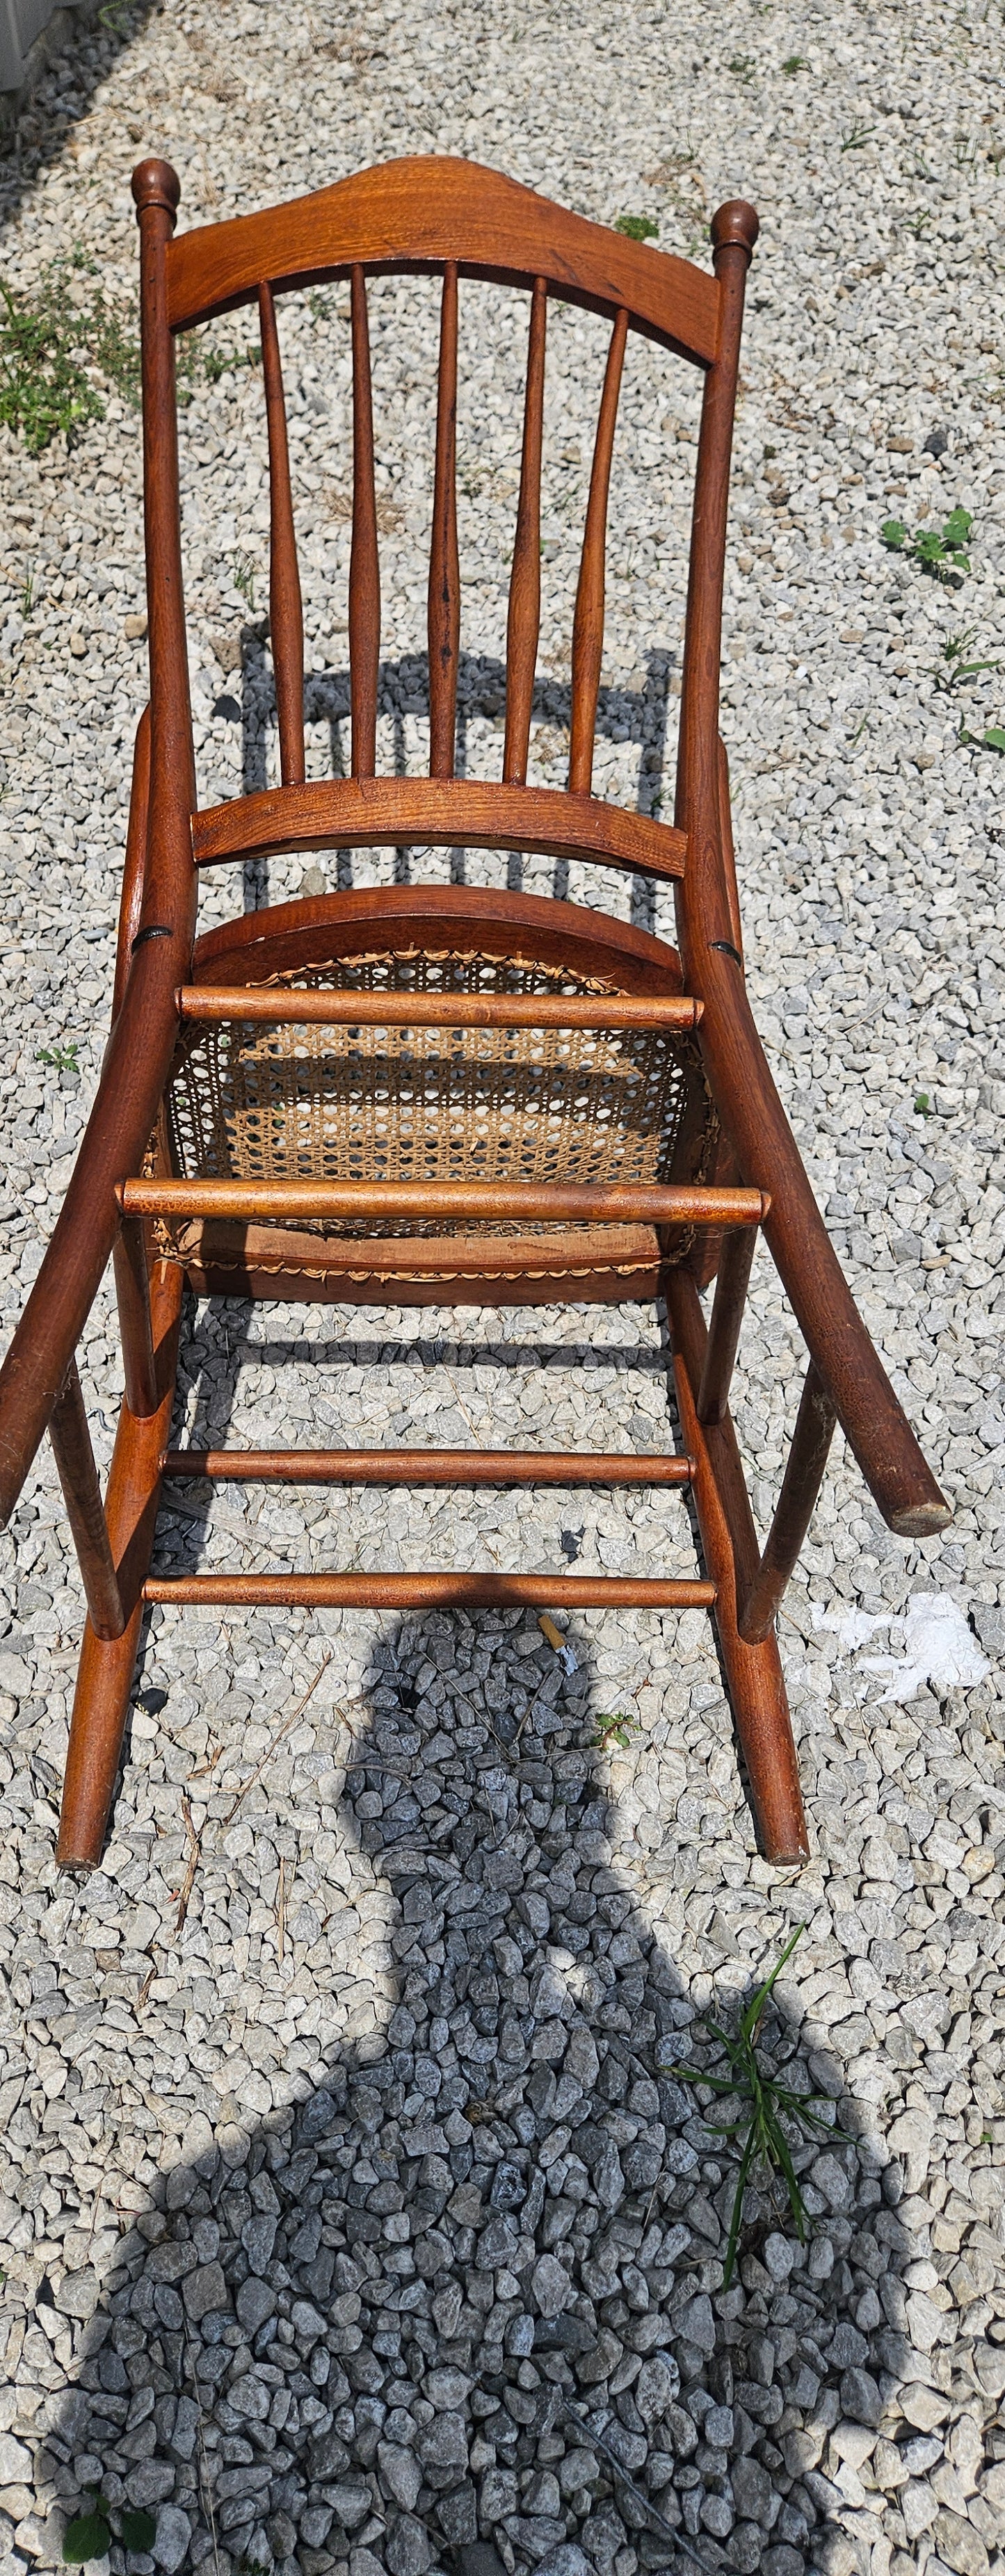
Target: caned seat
{"x": 439, "y": 1092}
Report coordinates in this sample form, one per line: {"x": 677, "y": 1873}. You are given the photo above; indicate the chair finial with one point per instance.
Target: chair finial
{"x": 735, "y": 225}
{"x": 154, "y": 183}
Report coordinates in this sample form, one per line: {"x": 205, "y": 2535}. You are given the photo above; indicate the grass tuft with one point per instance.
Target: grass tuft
{"x": 765, "y": 2105}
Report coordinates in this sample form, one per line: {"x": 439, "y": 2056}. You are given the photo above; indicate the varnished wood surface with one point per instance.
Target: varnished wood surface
{"x": 801, "y": 1484}
{"x": 364, "y": 560}
{"x": 524, "y": 616}
{"x": 404, "y": 1202}
{"x": 449, "y": 813}
{"x": 362, "y": 920}
{"x": 467, "y": 1467}
{"x": 608, "y": 1261}
{"x": 286, "y": 619}
{"x": 754, "y": 1676}
{"x": 427, "y": 1592}
{"x": 420, "y": 213}
{"x": 78, "y": 1476}
{"x": 321, "y": 1009}
{"x": 104, "y": 1678}
{"x": 588, "y": 621}
{"x": 444, "y": 598}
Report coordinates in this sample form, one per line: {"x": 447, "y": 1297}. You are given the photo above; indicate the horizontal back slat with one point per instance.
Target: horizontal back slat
{"x": 421, "y": 214}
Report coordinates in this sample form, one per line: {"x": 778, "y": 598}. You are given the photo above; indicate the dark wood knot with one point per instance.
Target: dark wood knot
{"x": 735, "y": 225}
{"x": 154, "y": 183}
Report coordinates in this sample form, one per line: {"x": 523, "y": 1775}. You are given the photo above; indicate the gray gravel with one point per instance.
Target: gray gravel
{"x": 356, "y": 2220}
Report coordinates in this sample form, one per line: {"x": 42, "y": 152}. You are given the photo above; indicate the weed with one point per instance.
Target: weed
{"x": 744, "y": 66}
{"x": 918, "y": 222}
{"x": 63, "y": 1058}
{"x": 43, "y": 387}
{"x": 993, "y": 739}
{"x": 28, "y": 592}
{"x": 244, "y": 579}
{"x": 637, "y": 227}
{"x": 922, "y": 1105}
{"x": 859, "y": 731}
{"x": 218, "y": 362}
{"x": 795, "y": 63}
{"x": 50, "y": 347}
{"x": 856, "y": 136}
{"x": 90, "y": 2535}
{"x": 944, "y": 555}
{"x": 614, "y": 1730}
{"x": 765, "y": 2104}
{"x": 958, "y": 670}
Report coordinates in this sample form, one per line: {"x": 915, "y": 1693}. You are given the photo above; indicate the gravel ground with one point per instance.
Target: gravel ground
{"x": 356, "y": 2218}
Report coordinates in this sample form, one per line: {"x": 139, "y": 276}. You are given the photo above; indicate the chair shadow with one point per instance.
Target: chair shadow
{"x": 623, "y": 715}
{"x": 458, "y": 2304}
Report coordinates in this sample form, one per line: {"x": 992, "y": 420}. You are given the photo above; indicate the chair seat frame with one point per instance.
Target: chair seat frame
{"x": 456, "y": 221}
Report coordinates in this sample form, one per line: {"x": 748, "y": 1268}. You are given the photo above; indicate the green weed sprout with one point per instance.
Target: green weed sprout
{"x": 63, "y": 1058}
{"x": 944, "y": 555}
{"x": 637, "y": 227}
{"x": 614, "y": 1730}
{"x": 90, "y": 2535}
{"x": 957, "y": 670}
{"x": 765, "y": 2104}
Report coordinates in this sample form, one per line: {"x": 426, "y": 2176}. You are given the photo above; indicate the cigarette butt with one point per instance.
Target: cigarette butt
{"x": 549, "y": 1630}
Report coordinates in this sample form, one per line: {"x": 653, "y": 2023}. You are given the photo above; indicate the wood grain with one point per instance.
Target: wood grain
{"x": 480, "y": 1202}
{"x": 416, "y": 215}
{"x": 444, "y": 617}
{"x": 524, "y": 619}
{"x": 588, "y": 622}
{"x": 286, "y": 619}
{"x": 461, "y": 1467}
{"x": 448, "y": 813}
{"x": 323, "y": 1009}
{"x": 364, "y": 560}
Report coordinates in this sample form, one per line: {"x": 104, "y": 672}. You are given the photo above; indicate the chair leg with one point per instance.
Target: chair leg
{"x": 729, "y": 1539}
{"x": 105, "y": 1674}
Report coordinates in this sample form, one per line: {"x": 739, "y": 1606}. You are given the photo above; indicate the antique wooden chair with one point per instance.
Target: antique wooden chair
{"x": 438, "y": 1093}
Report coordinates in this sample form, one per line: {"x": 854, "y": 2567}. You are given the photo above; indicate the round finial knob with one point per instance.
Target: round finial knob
{"x": 156, "y": 184}
{"x": 735, "y": 225}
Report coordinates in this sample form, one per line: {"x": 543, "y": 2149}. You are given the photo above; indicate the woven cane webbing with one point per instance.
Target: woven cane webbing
{"x": 399, "y": 1104}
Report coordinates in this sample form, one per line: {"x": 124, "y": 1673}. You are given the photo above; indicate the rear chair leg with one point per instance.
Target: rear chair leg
{"x": 753, "y": 1673}
{"x": 104, "y": 1679}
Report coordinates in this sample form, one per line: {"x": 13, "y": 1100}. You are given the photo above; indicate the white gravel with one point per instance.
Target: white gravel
{"x": 357, "y": 2224}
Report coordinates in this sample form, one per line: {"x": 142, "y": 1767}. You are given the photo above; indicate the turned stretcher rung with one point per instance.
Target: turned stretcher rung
{"x": 421, "y": 1467}
{"x": 211, "y": 1002}
{"x": 429, "y": 1591}
{"x": 487, "y": 1202}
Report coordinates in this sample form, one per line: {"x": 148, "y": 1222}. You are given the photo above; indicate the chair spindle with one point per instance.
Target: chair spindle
{"x": 524, "y": 621}
{"x": 444, "y": 566}
{"x": 285, "y": 606}
{"x": 364, "y": 563}
{"x": 588, "y": 623}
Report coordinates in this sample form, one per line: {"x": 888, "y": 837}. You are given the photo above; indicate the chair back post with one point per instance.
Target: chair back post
{"x": 704, "y": 909}
{"x": 170, "y": 878}
{"x": 142, "y": 1040}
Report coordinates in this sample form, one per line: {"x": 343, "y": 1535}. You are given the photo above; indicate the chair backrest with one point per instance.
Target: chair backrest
{"x": 453, "y": 218}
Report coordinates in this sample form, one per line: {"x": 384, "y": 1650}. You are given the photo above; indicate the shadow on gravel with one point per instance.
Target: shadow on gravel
{"x": 460, "y": 2307}
{"x": 626, "y": 713}
{"x": 62, "y": 97}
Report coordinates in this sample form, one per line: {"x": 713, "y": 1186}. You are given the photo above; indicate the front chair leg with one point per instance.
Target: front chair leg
{"x": 104, "y": 1679}
{"x": 753, "y": 1673}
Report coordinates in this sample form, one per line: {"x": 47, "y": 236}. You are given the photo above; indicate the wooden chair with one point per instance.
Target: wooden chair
{"x": 438, "y": 1093}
